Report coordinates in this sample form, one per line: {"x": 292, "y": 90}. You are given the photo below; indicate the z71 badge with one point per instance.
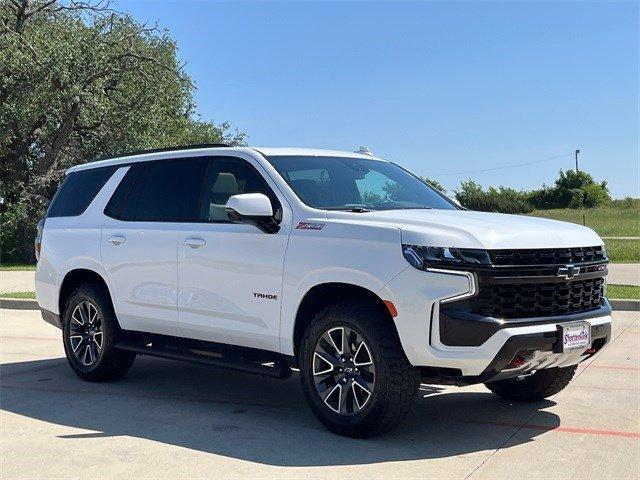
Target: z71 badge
{"x": 310, "y": 226}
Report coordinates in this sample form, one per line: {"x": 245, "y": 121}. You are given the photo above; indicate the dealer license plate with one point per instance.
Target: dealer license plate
{"x": 575, "y": 336}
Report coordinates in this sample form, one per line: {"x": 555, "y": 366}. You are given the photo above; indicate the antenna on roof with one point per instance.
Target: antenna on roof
{"x": 364, "y": 150}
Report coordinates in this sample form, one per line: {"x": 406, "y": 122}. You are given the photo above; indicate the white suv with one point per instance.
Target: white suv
{"x": 342, "y": 265}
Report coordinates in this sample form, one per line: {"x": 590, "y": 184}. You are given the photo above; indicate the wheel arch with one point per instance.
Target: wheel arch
{"x": 73, "y": 279}
{"x": 323, "y": 294}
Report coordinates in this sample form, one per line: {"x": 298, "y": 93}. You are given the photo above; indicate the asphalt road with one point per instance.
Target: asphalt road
{"x": 170, "y": 420}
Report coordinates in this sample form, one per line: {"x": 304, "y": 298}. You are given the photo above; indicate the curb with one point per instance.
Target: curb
{"x": 625, "y": 305}
{"x": 27, "y": 304}
{"x": 19, "y": 304}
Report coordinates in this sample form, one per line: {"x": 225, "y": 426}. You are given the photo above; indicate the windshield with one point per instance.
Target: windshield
{"x": 355, "y": 184}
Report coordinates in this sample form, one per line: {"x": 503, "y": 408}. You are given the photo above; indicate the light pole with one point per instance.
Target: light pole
{"x": 577, "y": 152}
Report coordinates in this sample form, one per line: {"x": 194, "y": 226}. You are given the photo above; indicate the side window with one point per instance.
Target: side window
{"x": 78, "y": 190}
{"x": 167, "y": 191}
{"x": 227, "y": 177}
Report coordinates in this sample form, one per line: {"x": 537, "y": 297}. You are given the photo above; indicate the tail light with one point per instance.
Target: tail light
{"x": 37, "y": 244}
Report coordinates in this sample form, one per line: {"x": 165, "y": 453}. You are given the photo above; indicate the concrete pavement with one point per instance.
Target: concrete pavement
{"x": 17, "y": 281}
{"x": 624, "y": 274}
{"x": 170, "y": 420}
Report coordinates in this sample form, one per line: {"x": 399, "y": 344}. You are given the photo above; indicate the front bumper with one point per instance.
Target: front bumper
{"x": 417, "y": 296}
{"x": 543, "y": 350}
{"x": 461, "y": 328}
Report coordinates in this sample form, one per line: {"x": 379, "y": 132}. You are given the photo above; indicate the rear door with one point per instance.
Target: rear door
{"x": 230, "y": 275}
{"x": 140, "y": 240}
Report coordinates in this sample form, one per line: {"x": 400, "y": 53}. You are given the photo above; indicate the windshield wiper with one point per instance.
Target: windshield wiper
{"x": 350, "y": 208}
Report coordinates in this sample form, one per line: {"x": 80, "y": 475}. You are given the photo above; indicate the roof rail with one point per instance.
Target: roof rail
{"x": 164, "y": 149}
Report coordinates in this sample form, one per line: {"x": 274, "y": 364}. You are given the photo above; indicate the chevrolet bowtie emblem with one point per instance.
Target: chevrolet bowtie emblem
{"x": 568, "y": 272}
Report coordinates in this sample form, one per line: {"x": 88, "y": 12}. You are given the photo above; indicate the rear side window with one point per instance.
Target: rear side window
{"x": 167, "y": 191}
{"x": 78, "y": 190}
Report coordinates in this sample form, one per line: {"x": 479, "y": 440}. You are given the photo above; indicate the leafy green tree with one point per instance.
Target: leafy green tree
{"x": 593, "y": 195}
{"x": 504, "y": 200}
{"x": 571, "y": 189}
{"x": 78, "y": 81}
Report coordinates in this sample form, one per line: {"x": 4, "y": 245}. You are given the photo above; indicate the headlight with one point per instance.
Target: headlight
{"x": 422, "y": 257}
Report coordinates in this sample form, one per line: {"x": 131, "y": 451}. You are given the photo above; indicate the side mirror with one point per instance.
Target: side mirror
{"x": 252, "y": 209}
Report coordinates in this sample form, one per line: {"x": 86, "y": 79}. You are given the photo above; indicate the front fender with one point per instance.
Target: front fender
{"x": 367, "y": 256}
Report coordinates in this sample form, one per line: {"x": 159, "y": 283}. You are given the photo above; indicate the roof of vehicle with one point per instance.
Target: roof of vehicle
{"x": 199, "y": 150}
{"x": 311, "y": 152}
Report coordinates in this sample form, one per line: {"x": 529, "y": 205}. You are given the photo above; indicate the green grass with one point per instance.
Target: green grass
{"x": 12, "y": 267}
{"x": 623, "y": 292}
{"x": 607, "y": 221}
{"x": 22, "y": 295}
{"x": 623, "y": 251}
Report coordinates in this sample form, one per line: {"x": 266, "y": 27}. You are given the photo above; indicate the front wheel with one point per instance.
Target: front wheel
{"x": 354, "y": 373}
{"x": 534, "y": 387}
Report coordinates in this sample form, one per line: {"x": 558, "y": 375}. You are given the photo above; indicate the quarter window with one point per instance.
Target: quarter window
{"x": 78, "y": 190}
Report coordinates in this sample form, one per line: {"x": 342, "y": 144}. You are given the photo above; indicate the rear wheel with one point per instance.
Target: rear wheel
{"x": 535, "y": 387}
{"x": 89, "y": 332}
{"x": 354, "y": 373}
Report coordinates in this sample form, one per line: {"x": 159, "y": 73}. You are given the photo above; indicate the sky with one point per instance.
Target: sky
{"x": 449, "y": 90}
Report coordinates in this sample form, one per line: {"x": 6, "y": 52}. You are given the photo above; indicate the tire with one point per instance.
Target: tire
{"x": 394, "y": 384}
{"x": 533, "y": 388}
{"x": 94, "y": 357}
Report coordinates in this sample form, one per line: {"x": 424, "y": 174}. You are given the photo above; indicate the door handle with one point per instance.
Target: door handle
{"x": 195, "y": 242}
{"x": 116, "y": 239}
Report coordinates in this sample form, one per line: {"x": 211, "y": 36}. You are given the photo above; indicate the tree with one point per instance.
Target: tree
{"x": 571, "y": 189}
{"x": 78, "y": 81}
{"x": 504, "y": 200}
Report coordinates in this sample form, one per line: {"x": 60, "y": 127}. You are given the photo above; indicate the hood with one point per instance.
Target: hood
{"x": 467, "y": 229}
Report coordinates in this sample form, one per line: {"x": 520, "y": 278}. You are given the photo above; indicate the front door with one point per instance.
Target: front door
{"x": 230, "y": 275}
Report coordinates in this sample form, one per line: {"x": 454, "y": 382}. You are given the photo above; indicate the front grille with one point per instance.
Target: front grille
{"x": 522, "y": 300}
{"x": 548, "y": 256}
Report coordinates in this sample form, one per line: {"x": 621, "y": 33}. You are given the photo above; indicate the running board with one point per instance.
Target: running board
{"x": 269, "y": 364}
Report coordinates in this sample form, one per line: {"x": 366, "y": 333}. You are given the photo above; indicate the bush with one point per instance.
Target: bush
{"x": 571, "y": 189}
{"x": 16, "y": 242}
{"x": 593, "y": 195}
{"x": 502, "y": 199}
